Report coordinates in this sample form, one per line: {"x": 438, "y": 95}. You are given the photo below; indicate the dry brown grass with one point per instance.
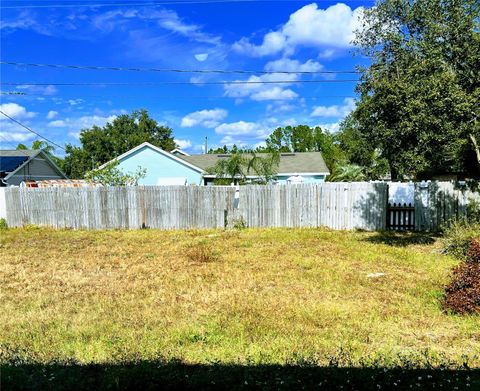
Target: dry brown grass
{"x": 249, "y": 296}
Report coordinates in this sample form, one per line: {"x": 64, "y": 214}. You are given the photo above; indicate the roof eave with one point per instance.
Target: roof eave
{"x": 155, "y": 148}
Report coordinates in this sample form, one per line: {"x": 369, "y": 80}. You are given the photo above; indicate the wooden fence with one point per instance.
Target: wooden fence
{"x": 400, "y": 217}
{"x": 334, "y": 205}
{"x": 437, "y": 203}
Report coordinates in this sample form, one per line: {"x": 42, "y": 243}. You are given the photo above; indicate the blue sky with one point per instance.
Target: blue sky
{"x": 260, "y": 36}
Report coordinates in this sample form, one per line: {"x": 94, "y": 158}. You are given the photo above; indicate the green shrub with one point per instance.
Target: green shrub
{"x": 473, "y": 211}
{"x": 3, "y": 224}
{"x": 458, "y": 236}
{"x": 239, "y": 223}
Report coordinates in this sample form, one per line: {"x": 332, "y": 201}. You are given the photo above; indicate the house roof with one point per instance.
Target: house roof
{"x": 19, "y": 152}
{"x": 178, "y": 151}
{"x": 157, "y": 149}
{"x": 290, "y": 163}
{"x": 311, "y": 163}
{"x": 12, "y": 160}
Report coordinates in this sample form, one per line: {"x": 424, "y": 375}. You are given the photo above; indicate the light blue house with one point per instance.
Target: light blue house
{"x": 180, "y": 168}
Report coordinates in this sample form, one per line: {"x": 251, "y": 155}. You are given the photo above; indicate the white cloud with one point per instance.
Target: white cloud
{"x": 204, "y": 118}
{"x": 84, "y": 122}
{"x": 257, "y": 89}
{"x": 16, "y": 136}
{"x": 263, "y": 87}
{"x": 59, "y": 123}
{"x": 240, "y": 132}
{"x": 244, "y": 133}
{"x": 200, "y": 148}
{"x": 201, "y": 56}
{"x": 309, "y": 26}
{"x": 44, "y": 90}
{"x": 274, "y": 93}
{"x": 166, "y": 19}
{"x": 334, "y": 110}
{"x": 11, "y": 132}
{"x": 52, "y": 114}
{"x": 16, "y": 111}
{"x": 74, "y": 102}
{"x": 289, "y": 65}
{"x": 331, "y": 127}
{"x": 183, "y": 144}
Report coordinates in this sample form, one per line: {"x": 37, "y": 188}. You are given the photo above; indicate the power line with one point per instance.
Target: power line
{"x": 136, "y": 69}
{"x": 12, "y": 93}
{"x": 7, "y": 141}
{"x": 31, "y": 130}
{"x": 157, "y": 3}
{"x": 104, "y": 84}
{"x": 174, "y": 96}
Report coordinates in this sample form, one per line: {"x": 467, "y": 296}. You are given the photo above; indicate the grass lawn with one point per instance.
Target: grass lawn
{"x": 245, "y": 298}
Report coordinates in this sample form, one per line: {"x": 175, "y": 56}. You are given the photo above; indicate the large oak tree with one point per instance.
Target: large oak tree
{"x": 420, "y": 97}
{"x": 101, "y": 144}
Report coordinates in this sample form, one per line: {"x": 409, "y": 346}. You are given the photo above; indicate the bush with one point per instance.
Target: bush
{"x": 473, "y": 254}
{"x": 458, "y": 236}
{"x": 462, "y": 295}
{"x": 3, "y": 224}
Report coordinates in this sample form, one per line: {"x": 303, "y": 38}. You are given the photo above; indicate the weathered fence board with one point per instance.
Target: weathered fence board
{"x": 437, "y": 203}
{"x": 336, "y": 205}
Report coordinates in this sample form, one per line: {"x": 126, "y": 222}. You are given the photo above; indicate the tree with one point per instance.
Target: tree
{"x": 420, "y": 99}
{"x": 101, "y": 144}
{"x": 45, "y": 147}
{"x": 265, "y": 167}
{"x": 347, "y": 172}
{"x": 359, "y": 151}
{"x": 36, "y": 145}
{"x": 303, "y": 138}
{"x": 231, "y": 169}
{"x": 238, "y": 166}
{"x": 111, "y": 175}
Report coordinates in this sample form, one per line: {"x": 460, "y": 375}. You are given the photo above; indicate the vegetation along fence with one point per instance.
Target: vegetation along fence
{"x": 336, "y": 205}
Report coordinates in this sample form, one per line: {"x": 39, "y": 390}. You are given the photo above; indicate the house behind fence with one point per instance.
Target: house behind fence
{"x": 354, "y": 205}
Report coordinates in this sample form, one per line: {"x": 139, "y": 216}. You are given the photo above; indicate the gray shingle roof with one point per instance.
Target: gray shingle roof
{"x": 20, "y": 152}
{"x": 290, "y": 163}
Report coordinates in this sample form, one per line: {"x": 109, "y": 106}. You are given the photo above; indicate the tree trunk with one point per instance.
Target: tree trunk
{"x": 393, "y": 171}
{"x": 475, "y": 147}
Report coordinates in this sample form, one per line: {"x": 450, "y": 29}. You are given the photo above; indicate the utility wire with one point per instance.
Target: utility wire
{"x": 177, "y": 96}
{"x": 100, "y": 84}
{"x": 31, "y": 130}
{"x": 157, "y": 3}
{"x": 12, "y": 93}
{"x": 136, "y": 69}
{"x": 7, "y": 141}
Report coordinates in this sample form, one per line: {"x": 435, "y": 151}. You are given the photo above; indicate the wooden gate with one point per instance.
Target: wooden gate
{"x": 400, "y": 217}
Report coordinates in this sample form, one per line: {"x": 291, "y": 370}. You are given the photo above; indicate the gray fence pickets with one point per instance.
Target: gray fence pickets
{"x": 438, "y": 202}
{"x": 335, "y": 205}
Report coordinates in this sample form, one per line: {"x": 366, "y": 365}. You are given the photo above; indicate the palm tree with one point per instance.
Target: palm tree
{"x": 347, "y": 172}
{"x": 233, "y": 169}
{"x": 265, "y": 167}
{"x": 236, "y": 168}
{"x": 36, "y": 145}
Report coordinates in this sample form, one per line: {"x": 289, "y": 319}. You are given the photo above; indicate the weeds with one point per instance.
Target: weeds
{"x": 458, "y": 236}
{"x": 202, "y": 252}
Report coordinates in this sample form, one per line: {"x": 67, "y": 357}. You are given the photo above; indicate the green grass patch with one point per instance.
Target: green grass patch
{"x": 255, "y": 297}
